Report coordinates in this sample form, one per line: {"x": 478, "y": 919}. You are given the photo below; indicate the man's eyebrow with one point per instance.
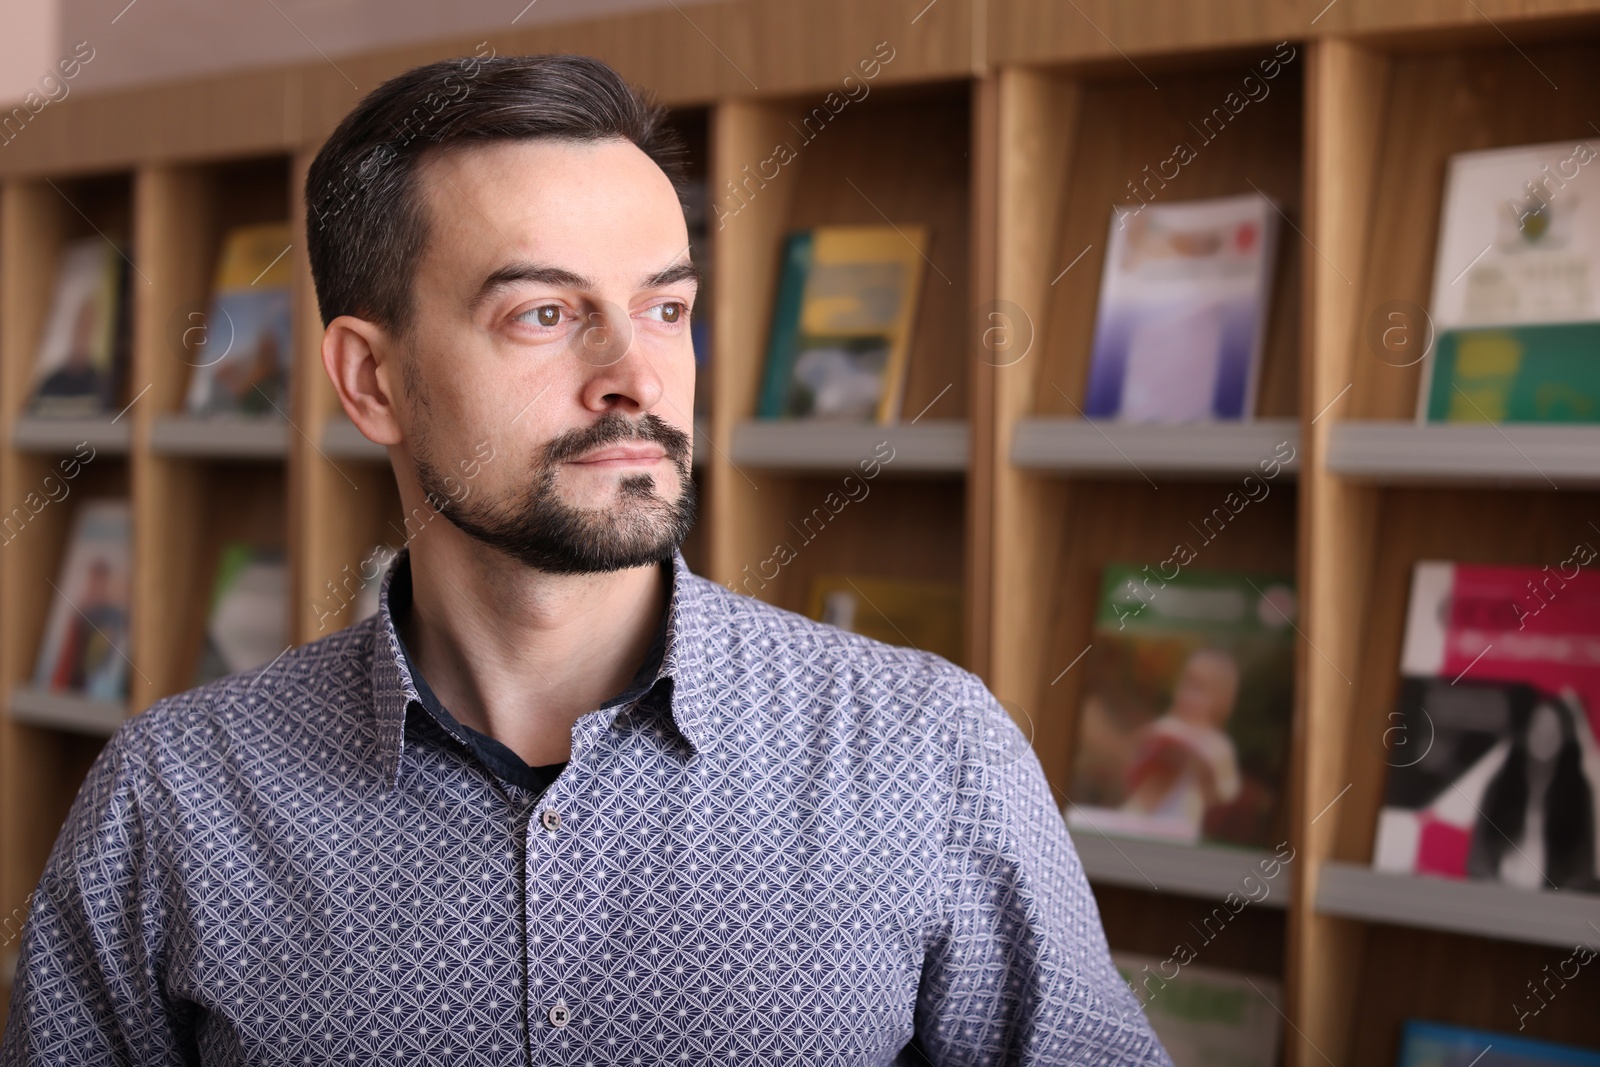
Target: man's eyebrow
{"x": 678, "y": 272}
{"x": 526, "y": 272}
{"x": 513, "y": 273}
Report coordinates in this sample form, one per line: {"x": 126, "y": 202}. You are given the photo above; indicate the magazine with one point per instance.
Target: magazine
{"x": 82, "y": 353}
{"x": 842, "y": 322}
{"x": 1493, "y": 768}
{"x": 85, "y": 648}
{"x": 922, "y": 615}
{"x": 1206, "y": 1017}
{"x": 242, "y": 362}
{"x": 1515, "y": 309}
{"x": 1182, "y": 314}
{"x": 247, "y": 624}
{"x": 1427, "y": 1044}
{"x": 1183, "y": 729}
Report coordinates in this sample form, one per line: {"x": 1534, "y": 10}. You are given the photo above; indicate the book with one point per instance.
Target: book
{"x": 241, "y": 363}
{"x": 923, "y": 615}
{"x": 82, "y": 355}
{"x": 1182, "y": 312}
{"x": 247, "y": 624}
{"x": 1515, "y": 312}
{"x": 1206, "y": 1017}
{"x": 1183, "y": 727}
{"x": 841, "y": 325}
{"x": 85, "y": 646}
{"x": 696, "y": 216}
{"x": 1493, "y": 768}
{"x": 1429, "y": 1044}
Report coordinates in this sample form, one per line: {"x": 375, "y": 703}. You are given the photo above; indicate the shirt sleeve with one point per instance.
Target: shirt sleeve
{"x": 1018, "y": 972}
{"x": 87, "y": 989}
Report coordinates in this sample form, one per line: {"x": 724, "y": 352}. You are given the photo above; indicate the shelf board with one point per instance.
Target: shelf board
{"x": 221, "y": 438}
{"x": 1204, "y": 871}
{"x": 1477, "y": 908}
{"x": 66, "y": 711}
{"x": 936, "y": 446}
{"x": 1118, "y": 449}
{"x": 341, "y": 440}
{"x": 1510, "y": 454}
{"x": 58, "y": 436}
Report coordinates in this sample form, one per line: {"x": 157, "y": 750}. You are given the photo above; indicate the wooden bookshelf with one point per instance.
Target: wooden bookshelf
{"x": 1011, "y": 129}
{"x": 1380, "y": 493}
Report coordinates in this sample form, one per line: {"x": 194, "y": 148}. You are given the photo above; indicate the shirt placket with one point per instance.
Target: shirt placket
{"x": 563, "y": 907}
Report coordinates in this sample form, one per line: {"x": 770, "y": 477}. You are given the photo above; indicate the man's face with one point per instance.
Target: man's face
{"x": 549, "y": 373}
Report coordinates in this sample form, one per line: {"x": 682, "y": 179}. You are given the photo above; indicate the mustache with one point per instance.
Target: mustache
{"x": 613, "y": 427}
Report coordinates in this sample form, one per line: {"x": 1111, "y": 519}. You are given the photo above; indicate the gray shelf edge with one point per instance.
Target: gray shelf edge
{"x": 39, "y": 435}
{"x": 1478, "y": 909}
{"x": 178, "y": 435}
{"x": 1513, "y": 454}
{"x": 1098, "y": 447}
{"x": 61, "y": 711}
{"x": 1204, "y": 871}
{"x": 341, "y": 440}
{"x": 936, "y": 446}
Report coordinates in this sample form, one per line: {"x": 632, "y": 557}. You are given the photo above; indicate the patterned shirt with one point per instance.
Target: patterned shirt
{"x": 798, "y": 845}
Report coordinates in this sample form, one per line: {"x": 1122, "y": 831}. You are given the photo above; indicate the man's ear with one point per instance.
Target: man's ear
{"x": 362, "y": 362}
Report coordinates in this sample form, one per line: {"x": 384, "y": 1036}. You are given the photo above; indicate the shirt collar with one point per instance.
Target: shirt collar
{"x": 683, "y": 662}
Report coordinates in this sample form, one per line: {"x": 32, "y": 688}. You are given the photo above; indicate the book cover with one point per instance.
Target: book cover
{"x": 842, "y": 323}
{"x": 1183, "y": 728}
{"x": 1206, "y": 1017}
{"x": 1429, "y": 1044}
{"x": 82, "y": 353}
{"x": 247, "y": 620}
{"x": 85, "y": 647}
{"x": 242, "y": 364}
{"x": 1182, "y": 312}
{"x": 923, "y": 615}
{"x": 1493, "y": 768}
{"x": 1514, "y": 306}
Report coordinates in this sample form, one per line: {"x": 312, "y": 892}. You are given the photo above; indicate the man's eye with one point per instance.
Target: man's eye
{"x": 544, "y": 315}
{"x": 672, "y": 312}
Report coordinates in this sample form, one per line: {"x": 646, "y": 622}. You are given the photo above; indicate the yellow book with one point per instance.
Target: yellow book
{"x": 921, "y": 614}
{"x": 241, "y": 357}
{"x": 842, "y": 326}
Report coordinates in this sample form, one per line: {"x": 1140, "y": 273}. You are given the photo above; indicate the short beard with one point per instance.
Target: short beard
{"x": 537, "y": 529}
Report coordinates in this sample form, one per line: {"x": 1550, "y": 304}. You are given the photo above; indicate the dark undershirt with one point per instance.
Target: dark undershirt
{"x": 493, "y": 754}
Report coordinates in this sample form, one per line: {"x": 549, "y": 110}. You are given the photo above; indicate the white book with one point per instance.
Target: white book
{"x": 1182, "y": 314}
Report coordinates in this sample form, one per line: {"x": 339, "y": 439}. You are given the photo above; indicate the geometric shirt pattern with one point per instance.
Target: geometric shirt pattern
{"x": 800, "y": 846}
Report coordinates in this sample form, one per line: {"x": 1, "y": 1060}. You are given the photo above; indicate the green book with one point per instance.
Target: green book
{"x": 1526, "y": 373}
{"x": 785, "y": 338}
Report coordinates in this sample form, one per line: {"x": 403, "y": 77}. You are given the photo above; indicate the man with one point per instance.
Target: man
{"x": 561, "y": 801}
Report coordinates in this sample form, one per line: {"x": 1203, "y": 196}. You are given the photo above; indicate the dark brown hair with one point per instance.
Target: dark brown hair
{"x": 366, "y": 225}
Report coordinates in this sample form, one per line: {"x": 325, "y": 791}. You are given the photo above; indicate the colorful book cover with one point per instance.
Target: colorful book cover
{"x": 85, "y": 648}
{"x": 82, "y": 352}
{"x": 1183, "y": 730}
{"x": 1514, "y": 306}
{"x": 247, "y": 623}
{"x": 923, "y": 615}
{"x": 1427, "y": 1044}
{"x": 1498, "y": 775}
{"x": 242, "y": 364}
{"x": 1182, "y": 315}
{"x": 1206, "y": 1017}
{"x": 841, "y": 331}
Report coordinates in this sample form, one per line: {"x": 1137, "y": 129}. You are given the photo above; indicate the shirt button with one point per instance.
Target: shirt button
{"x": 559, "y": 1015}
{"x": 550, "y": 819}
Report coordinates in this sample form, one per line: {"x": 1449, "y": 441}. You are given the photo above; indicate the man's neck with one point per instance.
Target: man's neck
{"x": 522, "y": 654}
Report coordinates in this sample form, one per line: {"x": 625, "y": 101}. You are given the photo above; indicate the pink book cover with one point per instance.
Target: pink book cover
{"x": 1494, "y": 771}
